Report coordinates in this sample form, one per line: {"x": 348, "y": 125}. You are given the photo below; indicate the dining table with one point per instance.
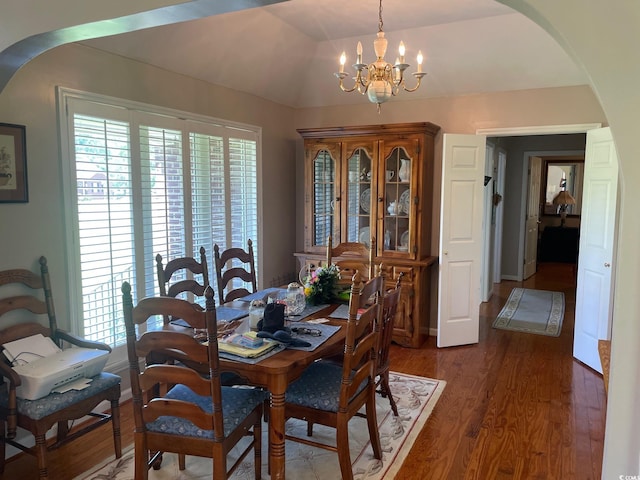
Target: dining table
{"x": 276, "y": 371}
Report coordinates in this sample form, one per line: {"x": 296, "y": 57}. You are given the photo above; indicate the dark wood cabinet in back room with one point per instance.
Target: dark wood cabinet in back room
{"x": 375, "y": 180}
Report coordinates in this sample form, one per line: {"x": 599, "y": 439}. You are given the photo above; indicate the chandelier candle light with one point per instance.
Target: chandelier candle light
{"x": 379, "y": 80}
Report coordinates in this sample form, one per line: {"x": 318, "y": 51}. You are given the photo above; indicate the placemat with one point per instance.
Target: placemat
{"x": 341, "y": 312}
{"x": 326, "y": 330}
{"x": 223, "y": 314}
{"x": 308, "y": 311}
{"x": 262, "y": 294}
{"x": 227, "y": 313}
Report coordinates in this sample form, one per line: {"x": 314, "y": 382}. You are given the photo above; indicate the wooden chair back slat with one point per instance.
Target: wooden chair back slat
{"x": 235, "y": 264}
{"x": 183, "y": 275}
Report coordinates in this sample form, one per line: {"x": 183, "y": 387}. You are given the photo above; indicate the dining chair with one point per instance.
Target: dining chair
{"x": 351, "y": 257}
{"x": 179, "y": 278}
{"x": 235, "y": 271}
{"x": 62, "y": 409}
{"x": 197, "y": 415}
{"x": 389, "y": 311}
{"x": 332, "y": 394}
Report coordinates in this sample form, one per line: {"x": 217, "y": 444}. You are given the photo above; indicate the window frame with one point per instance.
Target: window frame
{"x": 136, "y": 114}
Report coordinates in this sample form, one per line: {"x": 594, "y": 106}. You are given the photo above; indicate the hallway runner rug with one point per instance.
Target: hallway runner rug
{"x": 532, "y": 311}
{"x": 415, "y": 396}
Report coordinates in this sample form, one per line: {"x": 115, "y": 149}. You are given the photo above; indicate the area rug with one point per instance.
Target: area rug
{"x": 532, "y": 311}
{"x": 415, "y": 397}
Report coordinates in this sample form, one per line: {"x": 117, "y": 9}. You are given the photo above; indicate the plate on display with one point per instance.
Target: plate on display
{"x": 404, "y": 202}
{"x": 364, "y": 236}
{"x": 365, "y": 201}
{"x": 404, "y": 239}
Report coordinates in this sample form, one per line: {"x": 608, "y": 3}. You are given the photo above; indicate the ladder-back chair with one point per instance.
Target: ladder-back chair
{"x": 38, "y": 416}
{"x": 331, "y": 394}
{"x": 197, "y": 415}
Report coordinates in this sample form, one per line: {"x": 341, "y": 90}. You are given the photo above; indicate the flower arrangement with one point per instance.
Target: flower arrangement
{"x": 321, "y": 286}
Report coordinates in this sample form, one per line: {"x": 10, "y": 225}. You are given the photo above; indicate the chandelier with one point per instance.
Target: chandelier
{"x": 379, "y": 80}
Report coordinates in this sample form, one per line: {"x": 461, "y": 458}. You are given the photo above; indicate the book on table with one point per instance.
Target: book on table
{"x": 246, "y": 345}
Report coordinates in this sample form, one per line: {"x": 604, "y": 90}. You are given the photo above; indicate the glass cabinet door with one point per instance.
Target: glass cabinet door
{"x": 323, "y": 206}
{"x": 359, "y": 197}
{"x": 398, "y": 197}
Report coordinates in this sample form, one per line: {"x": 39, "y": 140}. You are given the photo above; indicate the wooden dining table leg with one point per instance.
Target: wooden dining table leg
{"x": 276, "y": 431}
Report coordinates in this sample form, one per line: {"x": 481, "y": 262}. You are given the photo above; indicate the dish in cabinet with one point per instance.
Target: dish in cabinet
{"x": 365, "y": 200}
{"x": 404, "y": 239}
{"x": 365, "y": 236}
{"x": 405, "y": 202}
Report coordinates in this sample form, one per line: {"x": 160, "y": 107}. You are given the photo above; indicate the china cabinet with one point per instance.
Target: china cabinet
{"x": 375, "y": 181}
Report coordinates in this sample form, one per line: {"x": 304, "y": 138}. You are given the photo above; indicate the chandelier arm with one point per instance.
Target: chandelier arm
{"x": 347, "y": 90}
{"x": 359, "y": 83}
{"x": 418, "y": 78}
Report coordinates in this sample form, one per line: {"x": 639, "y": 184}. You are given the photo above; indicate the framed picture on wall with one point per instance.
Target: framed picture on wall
{"x": 13, "y": 164}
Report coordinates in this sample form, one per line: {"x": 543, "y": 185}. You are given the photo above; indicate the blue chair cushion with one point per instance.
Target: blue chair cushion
{"x": 318, "y": 387}
{"x": 237, "y": 404}
{"x": 42, "y": 407}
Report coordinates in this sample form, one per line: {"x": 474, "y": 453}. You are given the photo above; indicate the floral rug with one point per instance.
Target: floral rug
{"x": 415, "y": 397}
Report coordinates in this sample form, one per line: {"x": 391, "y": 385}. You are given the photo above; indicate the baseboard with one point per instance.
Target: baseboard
{"x": 433, "y": 332}
{"x": 511, "y": 277}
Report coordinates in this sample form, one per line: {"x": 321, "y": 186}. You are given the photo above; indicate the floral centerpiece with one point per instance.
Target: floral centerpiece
{"x": 321, "y": 285}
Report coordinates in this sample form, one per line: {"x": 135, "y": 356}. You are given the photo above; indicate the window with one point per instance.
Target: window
{"x": 140, "y": 181}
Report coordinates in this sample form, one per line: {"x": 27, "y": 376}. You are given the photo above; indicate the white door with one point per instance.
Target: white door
{"x": 460, "y": 239}
{"x": 532, "y": 219}
{"x": 594, "y": 293}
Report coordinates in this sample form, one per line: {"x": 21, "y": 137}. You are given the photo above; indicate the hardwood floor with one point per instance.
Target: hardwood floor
{"x": 516, "y": 405}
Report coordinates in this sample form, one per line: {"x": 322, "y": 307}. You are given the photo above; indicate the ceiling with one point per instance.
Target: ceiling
{"x": 288, "y": 52}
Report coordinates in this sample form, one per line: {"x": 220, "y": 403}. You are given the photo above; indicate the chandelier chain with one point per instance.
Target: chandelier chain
{"x": 380, "y": 17}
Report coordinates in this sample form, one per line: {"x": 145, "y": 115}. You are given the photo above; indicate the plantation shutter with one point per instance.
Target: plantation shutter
{"x": 163, "y": 201}
{"x": 224, "y": 187}
{"x": 207, "y": 192}
{"x": 243, "y": 178}
{"x": 141, "y": 181}
{"x": 103, "y": 202}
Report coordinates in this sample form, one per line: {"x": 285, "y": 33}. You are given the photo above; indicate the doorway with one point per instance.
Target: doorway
{"x": 517, "y": 147}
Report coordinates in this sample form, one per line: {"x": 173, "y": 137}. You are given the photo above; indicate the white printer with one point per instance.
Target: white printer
{"x": 43, "y": 367}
